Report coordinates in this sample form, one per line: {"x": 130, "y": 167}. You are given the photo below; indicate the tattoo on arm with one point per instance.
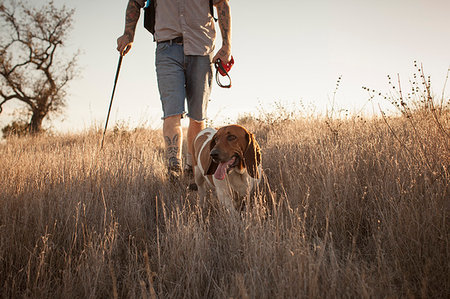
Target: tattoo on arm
{"x": 131, "y": 18}
{"x": 224, "y": 16}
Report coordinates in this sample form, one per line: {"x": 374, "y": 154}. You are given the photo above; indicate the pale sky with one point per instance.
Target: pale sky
{"x": 285, "y": 51}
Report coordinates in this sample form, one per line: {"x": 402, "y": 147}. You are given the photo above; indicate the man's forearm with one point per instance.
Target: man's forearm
{"x": 224, "y": 17}
{"x": 131, "y": 18}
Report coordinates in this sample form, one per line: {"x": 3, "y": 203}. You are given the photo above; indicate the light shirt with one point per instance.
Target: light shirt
{"x": 190, "y": 19}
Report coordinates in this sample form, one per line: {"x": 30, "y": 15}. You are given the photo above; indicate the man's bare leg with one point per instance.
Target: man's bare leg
{"x": 194, "y": 128}
{"x": 173, "y": 137}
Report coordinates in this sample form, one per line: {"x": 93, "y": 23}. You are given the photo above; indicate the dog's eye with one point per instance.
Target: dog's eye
{"x": 231, "y": 137}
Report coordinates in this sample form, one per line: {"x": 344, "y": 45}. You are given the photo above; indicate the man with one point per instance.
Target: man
{"x": 185, "y": 36}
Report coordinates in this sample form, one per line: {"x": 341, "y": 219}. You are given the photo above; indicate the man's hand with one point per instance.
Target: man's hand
{"x": 124, "y": 44}
{"x": 224, "y": 54}
{"x": 131, "y": 17}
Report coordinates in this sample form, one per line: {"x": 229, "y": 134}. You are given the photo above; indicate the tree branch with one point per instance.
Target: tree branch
{"x": 5, "y": 99}
{"x": 10, "y": 97}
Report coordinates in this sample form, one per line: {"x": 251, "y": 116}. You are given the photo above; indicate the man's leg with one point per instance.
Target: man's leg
{"x": 171, "y": 83}
{"x": 173, "y": 137}
{"x": 198, "y": 88}
{"x": 194, "y": 128}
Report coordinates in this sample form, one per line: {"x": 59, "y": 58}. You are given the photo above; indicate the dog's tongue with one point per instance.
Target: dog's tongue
{"x": 221, "y": 170}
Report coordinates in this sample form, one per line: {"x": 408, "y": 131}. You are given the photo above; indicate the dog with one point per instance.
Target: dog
{"x": 227, "y": 160}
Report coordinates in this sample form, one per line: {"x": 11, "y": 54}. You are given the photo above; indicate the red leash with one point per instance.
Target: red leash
{"x": 223, "y": 70}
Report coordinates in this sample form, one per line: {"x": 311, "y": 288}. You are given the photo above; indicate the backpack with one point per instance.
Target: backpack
{"x": 149, "y": 15}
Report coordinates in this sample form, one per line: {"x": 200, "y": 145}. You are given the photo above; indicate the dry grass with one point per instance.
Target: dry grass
{"x": 348, "y": 208}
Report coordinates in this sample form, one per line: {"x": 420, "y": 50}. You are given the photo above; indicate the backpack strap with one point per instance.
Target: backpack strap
{"x": 211, "y": 10}
{"x": 149, "y": 17}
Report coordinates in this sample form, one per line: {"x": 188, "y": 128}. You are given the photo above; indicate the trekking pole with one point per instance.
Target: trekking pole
{"x": 114, "y": 89}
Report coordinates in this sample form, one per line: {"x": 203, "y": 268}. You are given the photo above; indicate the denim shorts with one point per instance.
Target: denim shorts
{"x": 183, "y": 77}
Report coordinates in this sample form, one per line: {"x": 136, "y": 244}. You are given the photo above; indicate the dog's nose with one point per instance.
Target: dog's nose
{"x": 214, "y": 154}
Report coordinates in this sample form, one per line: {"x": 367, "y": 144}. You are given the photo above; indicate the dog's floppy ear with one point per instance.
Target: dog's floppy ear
{"x": 252, "y": 156}
{"x": 211, "y": 169}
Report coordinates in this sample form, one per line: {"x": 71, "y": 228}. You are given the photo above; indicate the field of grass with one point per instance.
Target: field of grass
{"x": 353, "y": 207}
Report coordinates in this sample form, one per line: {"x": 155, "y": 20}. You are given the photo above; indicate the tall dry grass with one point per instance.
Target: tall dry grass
{"x": 354, "y": 207}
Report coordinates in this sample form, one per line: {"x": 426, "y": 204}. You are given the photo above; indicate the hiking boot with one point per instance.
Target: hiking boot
{"x": 189, "y": 174}
{"x": 174, "y": 175}
{"x": 193, "y": 187}
{"x": 188, "y": 171}
{"x": 174, "y": 171}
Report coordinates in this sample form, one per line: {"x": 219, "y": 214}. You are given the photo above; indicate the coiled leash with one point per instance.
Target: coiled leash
{"x": 223, "y": 70}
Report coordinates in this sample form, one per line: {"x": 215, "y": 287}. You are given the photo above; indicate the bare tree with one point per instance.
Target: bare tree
{"x": 33, "y": 68}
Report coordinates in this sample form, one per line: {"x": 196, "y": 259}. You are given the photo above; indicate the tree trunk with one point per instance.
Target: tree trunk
{"x": 36, "y": 122}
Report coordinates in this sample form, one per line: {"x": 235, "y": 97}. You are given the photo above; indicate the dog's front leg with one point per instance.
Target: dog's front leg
{"x": 224, "y": 195}
{"x": 201, "y": 183}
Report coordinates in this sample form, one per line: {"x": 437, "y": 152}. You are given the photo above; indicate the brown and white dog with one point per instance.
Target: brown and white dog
{"x": 229, "y": 161}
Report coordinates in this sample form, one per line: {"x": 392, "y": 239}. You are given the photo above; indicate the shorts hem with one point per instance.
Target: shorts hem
{"x": 183, "y": 115}
{"x": 195, "y": 118}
